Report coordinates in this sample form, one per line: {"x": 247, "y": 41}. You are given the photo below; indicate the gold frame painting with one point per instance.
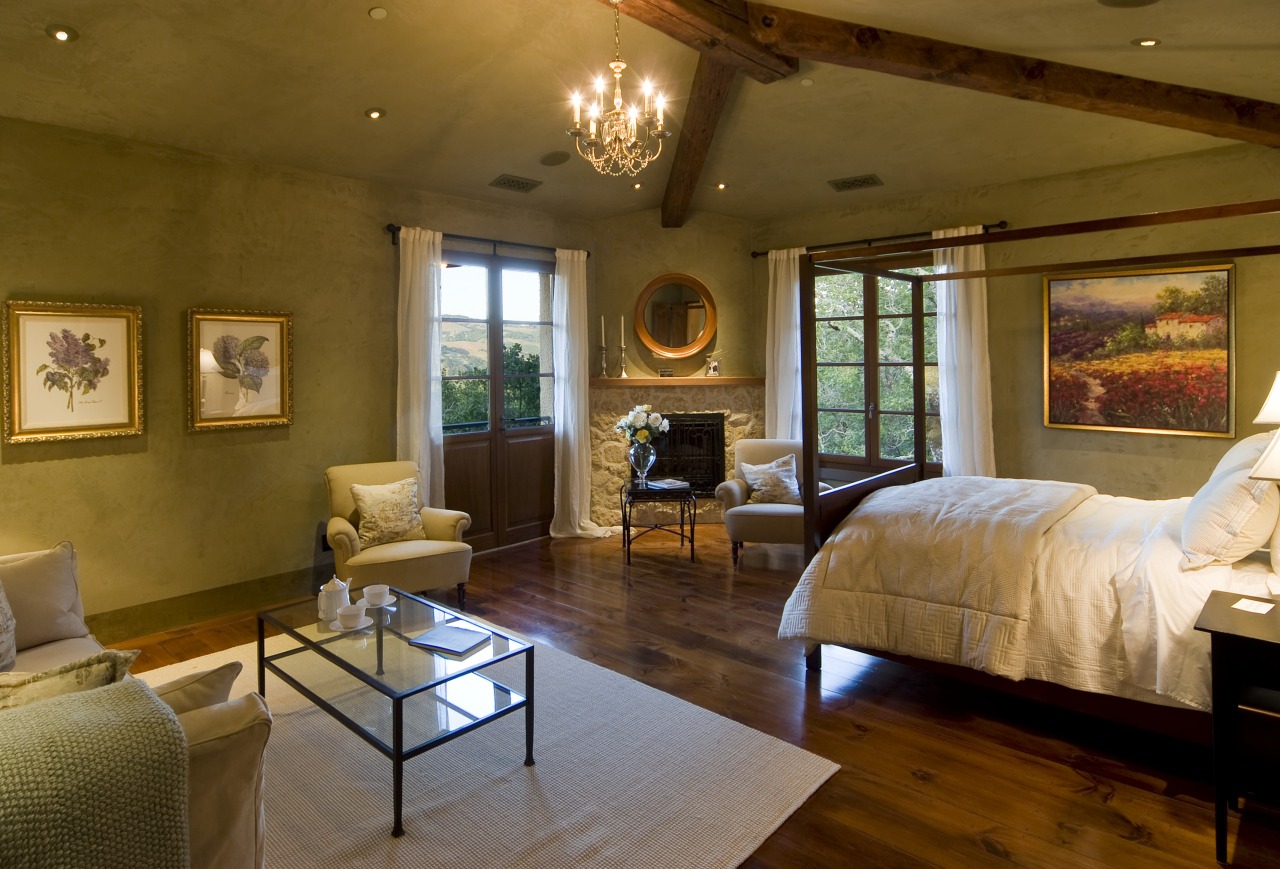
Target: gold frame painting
{"x": 239, "y": 369}
{"x": 72, "y": 371}
{"x": 1148, "y": 351}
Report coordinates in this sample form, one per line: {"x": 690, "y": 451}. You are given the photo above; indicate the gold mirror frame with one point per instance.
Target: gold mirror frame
{"x": 708, "y": 327}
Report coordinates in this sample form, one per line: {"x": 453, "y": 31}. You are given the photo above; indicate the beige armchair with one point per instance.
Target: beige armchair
{"x": 754, "y": 522}
{"x": 440, "y": 561}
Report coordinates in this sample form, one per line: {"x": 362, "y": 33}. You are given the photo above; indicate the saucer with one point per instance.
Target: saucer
{"x": 391, "y": 598}
{"x": 365, "y": 622}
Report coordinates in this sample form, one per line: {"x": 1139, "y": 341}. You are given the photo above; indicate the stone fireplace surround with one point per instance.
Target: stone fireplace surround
{"x": 741, "y": 400}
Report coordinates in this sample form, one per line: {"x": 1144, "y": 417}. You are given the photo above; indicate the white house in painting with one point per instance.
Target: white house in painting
{"x": 1178, "y": 326}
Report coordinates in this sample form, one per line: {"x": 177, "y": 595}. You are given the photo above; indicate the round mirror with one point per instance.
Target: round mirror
{"x": 675, "y": 316}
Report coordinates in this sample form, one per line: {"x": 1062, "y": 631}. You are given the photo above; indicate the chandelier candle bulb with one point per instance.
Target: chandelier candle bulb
{"x": 577, "y": 111}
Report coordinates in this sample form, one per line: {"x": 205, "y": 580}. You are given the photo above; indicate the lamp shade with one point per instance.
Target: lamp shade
{"x": 1270, "y": 413}
{"x": 1268, "y": 466}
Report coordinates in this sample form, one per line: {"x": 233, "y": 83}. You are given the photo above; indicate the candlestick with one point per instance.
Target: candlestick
{"x": 604, "y": 357}
{"x": 623, "y": 354}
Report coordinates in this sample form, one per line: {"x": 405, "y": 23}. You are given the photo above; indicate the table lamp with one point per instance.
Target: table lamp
{"x": 1268, "y": 466}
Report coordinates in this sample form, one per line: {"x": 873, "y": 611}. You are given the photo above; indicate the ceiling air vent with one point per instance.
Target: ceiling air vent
{"x": 515, "y": 183}
{"x": 857, "y": 182}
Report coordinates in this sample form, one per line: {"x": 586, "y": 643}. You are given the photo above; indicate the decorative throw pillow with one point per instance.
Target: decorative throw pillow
{"x": 45, "y": 597}
{"x": 1232, "y": 515}
{"x": 388, "y": 513}
{"x": 774, "y": 483}
{"x": 8, "y": 648}
{"x": 103, "y": 668}
{"x": 198, "y": 690}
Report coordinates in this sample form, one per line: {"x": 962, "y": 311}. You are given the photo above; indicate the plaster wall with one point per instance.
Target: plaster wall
{"x": 90, "y": 218}
{"x": 1136, "y": 465}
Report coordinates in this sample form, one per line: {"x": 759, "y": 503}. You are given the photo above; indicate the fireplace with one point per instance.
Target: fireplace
{"x": 693, "y": 450}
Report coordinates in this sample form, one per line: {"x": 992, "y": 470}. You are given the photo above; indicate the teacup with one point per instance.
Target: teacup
{"x": 349, "y": 616}
{"x": 376, "y": 595}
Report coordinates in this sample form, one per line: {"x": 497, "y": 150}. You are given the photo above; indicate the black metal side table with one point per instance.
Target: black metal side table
{"x": 1246, "y": 681}
{"x": 631, "y": 494}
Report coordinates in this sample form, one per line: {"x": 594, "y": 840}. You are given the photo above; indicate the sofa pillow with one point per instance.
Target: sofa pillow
{"x": 388, "y": 513}
{"x": 1232, "y": 515}
{"x": 104, "y": 668}
{"x": 199, "y": 690}
{"x": 45, "y": 597}
{"x": 774, "y": 483}
{"x": 8, "y": 648}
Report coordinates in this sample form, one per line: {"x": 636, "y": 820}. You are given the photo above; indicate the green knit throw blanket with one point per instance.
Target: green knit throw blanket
{"x": 94, "y": 780}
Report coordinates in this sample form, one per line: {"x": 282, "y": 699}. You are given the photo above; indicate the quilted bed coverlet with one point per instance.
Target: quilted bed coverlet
{"x": 940, "y": 570}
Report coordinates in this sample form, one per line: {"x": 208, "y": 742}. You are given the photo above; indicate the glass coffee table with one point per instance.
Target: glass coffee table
{"x": 401, "y": 698}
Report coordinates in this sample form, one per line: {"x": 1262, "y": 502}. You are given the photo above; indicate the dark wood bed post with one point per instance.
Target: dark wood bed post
{"x": 809, "y": 408}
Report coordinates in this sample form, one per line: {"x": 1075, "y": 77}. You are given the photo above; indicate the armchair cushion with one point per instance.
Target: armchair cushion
{"x": 774, "y": 482}
{"x": 95, "y": 671}
{"x": 44, "y": 596}
{"x": 388, "y": 512}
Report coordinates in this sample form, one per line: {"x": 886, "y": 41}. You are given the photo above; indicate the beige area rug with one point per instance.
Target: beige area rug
{"x": 625, "y": 776}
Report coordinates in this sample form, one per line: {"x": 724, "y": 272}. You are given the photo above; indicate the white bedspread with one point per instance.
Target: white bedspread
{"x": 1103, "y": 604}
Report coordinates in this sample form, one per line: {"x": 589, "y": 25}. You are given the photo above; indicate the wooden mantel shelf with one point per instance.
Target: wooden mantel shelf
{"x": 626, "y": 382}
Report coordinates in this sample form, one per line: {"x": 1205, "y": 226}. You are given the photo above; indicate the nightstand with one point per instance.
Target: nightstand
{"x": 1246, "y": 682}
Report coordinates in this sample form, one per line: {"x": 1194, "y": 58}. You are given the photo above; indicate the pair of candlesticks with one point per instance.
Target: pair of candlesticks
{"x": 604, "y": 356}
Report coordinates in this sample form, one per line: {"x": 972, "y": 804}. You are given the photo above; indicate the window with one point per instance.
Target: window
{"x": 870, "y": 363}
{"x": 492, "y": 309}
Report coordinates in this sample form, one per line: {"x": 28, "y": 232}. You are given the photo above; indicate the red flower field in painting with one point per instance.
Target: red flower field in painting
{"x": 1176, "y": 390}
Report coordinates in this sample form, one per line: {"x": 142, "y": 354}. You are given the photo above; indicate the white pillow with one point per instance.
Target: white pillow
{"x": 1232, "y": 515}
{"x": 388, "y": 513}
{"x": 774, "y": 483}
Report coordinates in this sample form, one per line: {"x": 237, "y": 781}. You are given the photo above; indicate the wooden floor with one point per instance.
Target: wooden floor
{"x": 933, "y": 773}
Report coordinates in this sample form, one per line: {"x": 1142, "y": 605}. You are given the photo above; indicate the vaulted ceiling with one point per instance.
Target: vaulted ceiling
{"x": 477, "y": 89}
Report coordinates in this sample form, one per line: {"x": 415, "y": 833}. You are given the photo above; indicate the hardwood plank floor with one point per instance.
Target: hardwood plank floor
{"x": 933, "y": 773}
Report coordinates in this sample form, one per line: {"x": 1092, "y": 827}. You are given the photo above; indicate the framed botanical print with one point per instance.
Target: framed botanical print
{"x": 239, "y": 369}
{"x": 1149, "y": 351}
{"x": 71, "y": 371}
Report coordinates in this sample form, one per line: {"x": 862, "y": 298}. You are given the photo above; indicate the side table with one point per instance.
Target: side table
{"x": 631, "y": 494}
{"x": 1246, "y": 676}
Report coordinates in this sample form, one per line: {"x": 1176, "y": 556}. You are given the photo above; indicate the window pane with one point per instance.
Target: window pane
{"x": 931, "y": 339}
{"x": 526, "y": 349}
{"x": 526, "y": 296}
{"x": 526, "y": 401}
{"x": 932, "y": 391}
{"x": 840, "y": 341}
{"x": 464, "y": 292}
{"x": 838, "y": 295}
{"x": 895, "y": 339}
{"x": 893, "y": 297}
{"x": 897, "y": 388}
{"x": 841, "y": 386}
{"x": 464, "y": 348}
{"x": 842, "y": 434}
{"x": 897, "y": 436}
{"x": 930, "y": 298}
{"x": 465, "y": 405}
{"x": 932, "y": 439}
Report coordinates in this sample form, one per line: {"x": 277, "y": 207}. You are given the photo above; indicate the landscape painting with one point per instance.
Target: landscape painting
{"x": 1140, "y": 351}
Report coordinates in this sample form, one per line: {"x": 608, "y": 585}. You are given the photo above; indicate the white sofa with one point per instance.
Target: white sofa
{"x": 225, "y": 738}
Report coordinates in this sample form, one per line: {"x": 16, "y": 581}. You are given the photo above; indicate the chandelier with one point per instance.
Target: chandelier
{"x": 620, "y": 141}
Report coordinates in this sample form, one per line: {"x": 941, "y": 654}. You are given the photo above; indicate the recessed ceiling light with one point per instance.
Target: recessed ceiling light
{"x": 61, "y": 33}
{"x": 806, "y": 82}
{"x": 377, "y": 13}
{"x": 1145, "y": 42}
{"x": 720, "y": 186}
{"x": 374, "y": 114}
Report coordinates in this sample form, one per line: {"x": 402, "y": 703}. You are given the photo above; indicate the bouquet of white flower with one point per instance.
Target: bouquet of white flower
{"x": 642, "y": 425}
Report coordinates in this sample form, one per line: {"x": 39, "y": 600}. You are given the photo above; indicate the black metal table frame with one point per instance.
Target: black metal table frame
{"x": 629, "y": 495}
{"x": 396, "y": 752}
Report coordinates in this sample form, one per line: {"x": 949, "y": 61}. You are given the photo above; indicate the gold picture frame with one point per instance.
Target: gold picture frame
{"x": 239, "y": 369}
{"x": 1147, "y": 351}
{"x": 72, "y": 371}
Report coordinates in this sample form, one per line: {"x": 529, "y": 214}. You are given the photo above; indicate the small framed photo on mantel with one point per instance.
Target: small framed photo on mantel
{"x": 71, "y": 371}
{"x": 239, "y": 369}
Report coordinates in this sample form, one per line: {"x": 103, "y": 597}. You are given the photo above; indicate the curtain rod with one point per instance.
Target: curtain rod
{"x": 909, "y": 236}
{"x": 395, "y": 239}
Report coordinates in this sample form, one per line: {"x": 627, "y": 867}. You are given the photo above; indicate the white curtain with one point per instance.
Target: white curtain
{"x": 964, "y": 363}
{"x": 782, "y": 344}
{"x": 419, "y": 431}
{"x": 572, "y": 429}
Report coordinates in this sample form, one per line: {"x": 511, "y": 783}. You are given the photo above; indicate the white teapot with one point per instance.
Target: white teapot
{"x": 333, "y": 594}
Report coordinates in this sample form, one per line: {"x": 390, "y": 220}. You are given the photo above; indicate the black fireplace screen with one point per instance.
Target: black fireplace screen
{"x": 693, "y": 450}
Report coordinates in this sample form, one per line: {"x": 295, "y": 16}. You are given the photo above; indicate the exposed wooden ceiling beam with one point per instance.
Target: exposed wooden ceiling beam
{"x": 813, "y": 37}
{"x": 715, "y": 28}
{"x": 707, "y": 98}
